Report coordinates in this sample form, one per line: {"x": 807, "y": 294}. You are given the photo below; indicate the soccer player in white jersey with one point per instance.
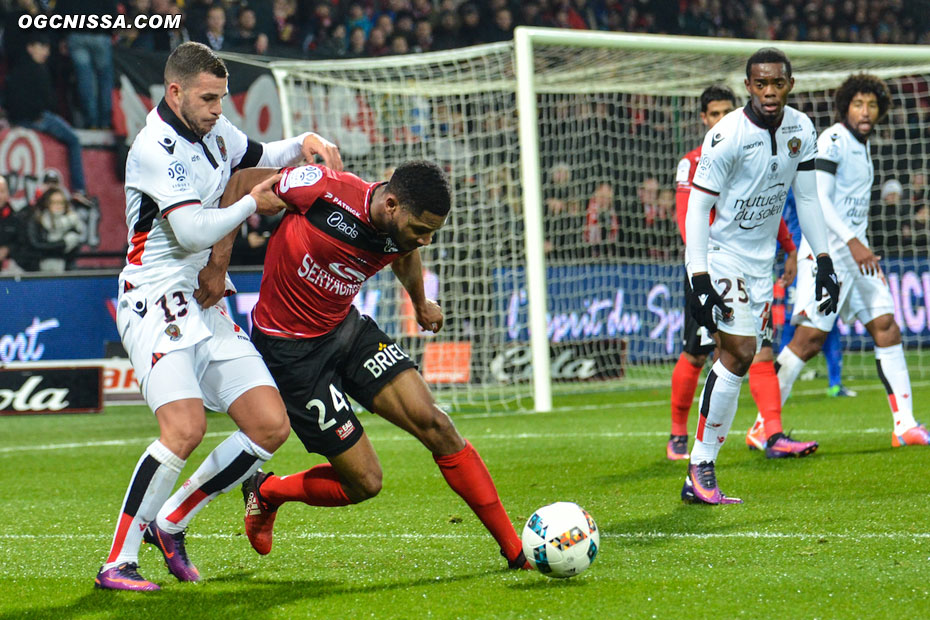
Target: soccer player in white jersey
{"x": 185, "y": 350}
{"x": 844, "y": 183}
{"x": 748, "y": 162}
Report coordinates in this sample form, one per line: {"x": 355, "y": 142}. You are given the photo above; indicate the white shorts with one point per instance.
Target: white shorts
{"x": 862, "y": 297}
{"x": 204, "y": 353}
{"x": 749, "y": 296}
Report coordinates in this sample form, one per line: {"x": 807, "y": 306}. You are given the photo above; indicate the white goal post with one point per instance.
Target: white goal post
{"x": 560, "y": 265}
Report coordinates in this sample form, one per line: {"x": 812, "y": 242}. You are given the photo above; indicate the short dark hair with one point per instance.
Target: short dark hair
{"x": 862, "y": 83}
{"x": 716, "y": 92}
{"x": 189, "y": 60}
{"x": 421, "y": 186}
{"x": 767, "y": 55}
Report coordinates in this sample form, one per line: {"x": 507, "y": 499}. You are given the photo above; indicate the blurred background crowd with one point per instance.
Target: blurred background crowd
{"x": 55, "y": 81}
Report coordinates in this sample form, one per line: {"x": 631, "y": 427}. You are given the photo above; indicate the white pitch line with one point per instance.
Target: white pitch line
{"x": 476, "y": 436}
{"x": 854, "y": 536}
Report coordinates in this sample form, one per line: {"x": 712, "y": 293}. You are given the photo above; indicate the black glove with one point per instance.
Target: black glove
{"x": 826, "y": 279}
{"x": 704, "y": 297}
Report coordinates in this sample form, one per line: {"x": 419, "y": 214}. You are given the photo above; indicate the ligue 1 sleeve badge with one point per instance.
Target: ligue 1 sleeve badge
{"x": 794, "y": 147}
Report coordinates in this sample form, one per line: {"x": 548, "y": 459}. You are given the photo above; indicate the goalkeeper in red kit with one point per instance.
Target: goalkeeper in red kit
{"x": 338, "y": 232}
{"x": 716, "y": 102}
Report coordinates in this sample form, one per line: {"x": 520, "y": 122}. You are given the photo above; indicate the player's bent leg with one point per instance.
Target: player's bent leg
{"x": 183, "y": 424}
{"x": 717, "y": 409}
{"x": 763, "y": 382}
{"x": 893, "y": 373}
{"x": 684, "y": 384}
{"x": 407, "y": 402}
{"x": 351, "y": 477}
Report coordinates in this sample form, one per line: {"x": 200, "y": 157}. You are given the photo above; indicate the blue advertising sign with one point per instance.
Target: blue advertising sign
{"x": 73, "y": 317}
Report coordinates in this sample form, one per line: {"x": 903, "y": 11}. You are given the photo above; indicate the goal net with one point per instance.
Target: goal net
{"x": 560, "y": 267}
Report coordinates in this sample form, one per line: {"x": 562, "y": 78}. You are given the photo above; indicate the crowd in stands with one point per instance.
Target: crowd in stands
{"x": 56, "y": 80}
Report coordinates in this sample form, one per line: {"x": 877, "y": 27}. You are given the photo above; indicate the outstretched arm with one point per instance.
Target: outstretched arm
{"x": 409, "y": 271}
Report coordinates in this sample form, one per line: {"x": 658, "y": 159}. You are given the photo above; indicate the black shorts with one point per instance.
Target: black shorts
{"x": 315, "y": 374}
{"x": 691, "y": 335}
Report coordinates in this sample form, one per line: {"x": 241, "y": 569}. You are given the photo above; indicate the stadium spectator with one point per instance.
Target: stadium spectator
{"x": 358, "y": 18}
{"x": 501, "y": 29}
{"x": 447, "y": 32}
{"x": 377, "y": 43}
{"x": 163, "y": 39}
{"x": 601, "y": 224}
{"x": 29, "y": 101}
{"x": 885, "y": 224}
{"x": 246, "y": 37}
{"x": 399, "y": 45}
{"x": 286, "y": 28}
{"x": 471, "y": 31}
{"x": 53, "y": 234}
{"x": 357, "y": 43}
{"x": 252, "y": 239}
{"x": 9, "y": 231}
{"x": 91, "y": 54}
{"x": 335, "y": 45}
{"x": 423, "y": 36}
{"x": 214, "y": 32}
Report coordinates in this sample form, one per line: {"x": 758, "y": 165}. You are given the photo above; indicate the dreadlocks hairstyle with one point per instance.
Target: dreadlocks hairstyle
{"x": 421, "y": 186}
{"x": 716, "y": 92}
{"x": 768, "y": 55}
{"x": 189, "y": 60}
{"x": 862, "y": 83}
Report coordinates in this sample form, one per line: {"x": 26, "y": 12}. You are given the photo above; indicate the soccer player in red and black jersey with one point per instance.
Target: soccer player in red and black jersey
{"x": 716, "y": 102}
{"x": 339, "y": 231}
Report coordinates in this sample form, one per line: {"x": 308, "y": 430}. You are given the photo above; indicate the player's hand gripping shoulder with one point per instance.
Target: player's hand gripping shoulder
{"x": 864, "y": 257}
{"x": 825, "y": 280}
{"x": 429, "y": 315}
{"x": 315, "y": 144}
{"x": 266, "y": 201}
{"x": 704, "y": 299}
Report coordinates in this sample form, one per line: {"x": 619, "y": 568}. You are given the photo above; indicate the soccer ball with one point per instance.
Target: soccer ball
{"x": 561, "y": 540}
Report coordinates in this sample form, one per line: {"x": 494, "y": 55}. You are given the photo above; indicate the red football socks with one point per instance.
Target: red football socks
{"x": 468, "y": 476}
{"x": 763, "y": 383}
{"x": 318, "y": 486}
{"x": 684, "y": 383}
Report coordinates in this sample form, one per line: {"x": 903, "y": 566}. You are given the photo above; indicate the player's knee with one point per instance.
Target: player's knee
{"x": 365, "y": 486}
{"x": 182, "y": 440}
{"x": 437, "y": 431}
{"x": 277, "y": 433}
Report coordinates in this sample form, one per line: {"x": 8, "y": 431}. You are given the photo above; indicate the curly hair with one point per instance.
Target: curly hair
{"x": 421, "y": 186}
{"x": 716, "y": 92}
{"x": 864, "y": 83}
{"x": 768, "y": 55}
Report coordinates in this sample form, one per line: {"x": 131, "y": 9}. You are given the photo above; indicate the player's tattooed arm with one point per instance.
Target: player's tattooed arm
{"x": 212, "y": 278}
{"x": 409, "y": 271}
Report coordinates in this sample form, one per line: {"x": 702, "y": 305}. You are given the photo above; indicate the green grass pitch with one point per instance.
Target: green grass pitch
{"x": 841, "y": 534}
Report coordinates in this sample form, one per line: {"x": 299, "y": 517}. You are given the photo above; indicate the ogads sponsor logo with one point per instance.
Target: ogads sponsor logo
{"x": 337, "y": 221}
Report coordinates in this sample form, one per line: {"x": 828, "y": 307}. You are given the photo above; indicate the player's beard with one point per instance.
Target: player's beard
{"x": 196, "y": 126}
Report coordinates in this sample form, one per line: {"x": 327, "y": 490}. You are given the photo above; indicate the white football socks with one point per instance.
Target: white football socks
{"x": 151, "y": 483}
{"x": 719, "y": 399}
{"x": 892, "y": 370}
{"x": 225, "y": 468}
{"x": 789, "y": 369}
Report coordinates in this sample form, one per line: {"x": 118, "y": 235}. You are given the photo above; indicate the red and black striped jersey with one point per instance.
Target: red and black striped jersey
{"x": 322, "y": 251}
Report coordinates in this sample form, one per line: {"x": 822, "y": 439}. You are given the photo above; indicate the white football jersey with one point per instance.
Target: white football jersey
{"x": 840, "y": 153}
{"x": 170, "y": 167}
{"x": 751, "y": 167}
